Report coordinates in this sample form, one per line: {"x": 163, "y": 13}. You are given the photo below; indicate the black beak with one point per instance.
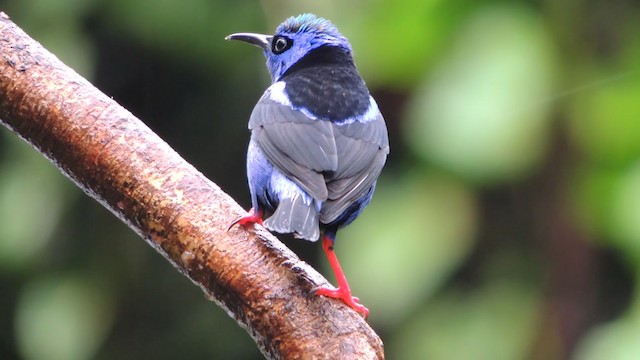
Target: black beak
{"x": 263, "y": 41}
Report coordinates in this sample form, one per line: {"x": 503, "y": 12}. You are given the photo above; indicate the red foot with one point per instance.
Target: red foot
{"x": 345, "y": 296}
{"x": 343, "y": 292}
{"x": 252, "y": 217}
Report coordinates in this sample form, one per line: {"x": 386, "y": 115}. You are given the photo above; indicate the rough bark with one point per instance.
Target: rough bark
{"x": 121, "y": 163}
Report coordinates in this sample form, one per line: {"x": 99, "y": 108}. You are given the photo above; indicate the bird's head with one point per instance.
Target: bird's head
{"x": 293, "y": 40}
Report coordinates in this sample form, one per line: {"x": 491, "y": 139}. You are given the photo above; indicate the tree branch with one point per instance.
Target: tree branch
{"x": 121, "y": 163}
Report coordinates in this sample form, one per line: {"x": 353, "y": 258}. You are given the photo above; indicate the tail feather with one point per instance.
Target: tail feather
{"x": 294, "y": 216}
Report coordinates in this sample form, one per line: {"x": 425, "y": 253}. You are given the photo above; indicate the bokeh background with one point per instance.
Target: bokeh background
{"x": 506, "y": 224}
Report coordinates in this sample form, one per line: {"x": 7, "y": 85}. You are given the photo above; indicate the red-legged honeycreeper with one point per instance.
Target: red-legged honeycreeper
{"x": 318, "y": 141}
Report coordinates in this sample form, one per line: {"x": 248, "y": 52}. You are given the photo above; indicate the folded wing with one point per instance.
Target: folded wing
{"x": 334, "y": 163}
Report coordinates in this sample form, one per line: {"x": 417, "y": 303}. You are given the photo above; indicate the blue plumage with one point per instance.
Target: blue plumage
{"x": 318, "y": 141}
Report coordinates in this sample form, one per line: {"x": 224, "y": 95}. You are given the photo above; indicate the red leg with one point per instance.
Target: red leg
{"x": 253, "y": 217}
{"x": 343, "y": 292}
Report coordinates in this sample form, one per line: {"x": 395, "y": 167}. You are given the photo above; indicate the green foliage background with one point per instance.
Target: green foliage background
{"x": 506, "y": 224}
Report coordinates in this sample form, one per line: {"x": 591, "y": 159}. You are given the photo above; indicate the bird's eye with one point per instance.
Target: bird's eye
{"x": 280, "y": 44}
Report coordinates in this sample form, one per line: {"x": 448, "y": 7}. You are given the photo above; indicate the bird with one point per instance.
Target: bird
{"x": 318, "y": 140}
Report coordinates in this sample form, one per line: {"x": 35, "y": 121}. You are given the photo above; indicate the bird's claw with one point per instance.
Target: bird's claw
{"x": 351, "y": 301}
{"x": 253, "y": 217}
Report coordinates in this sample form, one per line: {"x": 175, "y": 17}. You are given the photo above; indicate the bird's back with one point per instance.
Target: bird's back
{"x": 327, "y": 84}
{"x": 328, "y": 136}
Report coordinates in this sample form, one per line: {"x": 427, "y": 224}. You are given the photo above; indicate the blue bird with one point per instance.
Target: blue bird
{"x": 318, "y": 141}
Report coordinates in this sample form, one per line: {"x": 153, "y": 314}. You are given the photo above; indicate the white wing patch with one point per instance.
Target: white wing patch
{"x": 276, "y": 93}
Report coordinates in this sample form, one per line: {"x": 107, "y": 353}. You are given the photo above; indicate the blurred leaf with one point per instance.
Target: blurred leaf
{"x": 593, "y": 191}
{"x": 62, "y": 317}
{"x": 608, "y": 203}
{"x": 605, "y": 120}
{"x": 625, "y": 214}
{"x": 605, "y": 111}
{"x": 32, "y": 199}
{"x": 617, "y": 340}
{"x": 495, "y": 322}
{"x": 484, "y": 112}
{"x": 414, "y": 234}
